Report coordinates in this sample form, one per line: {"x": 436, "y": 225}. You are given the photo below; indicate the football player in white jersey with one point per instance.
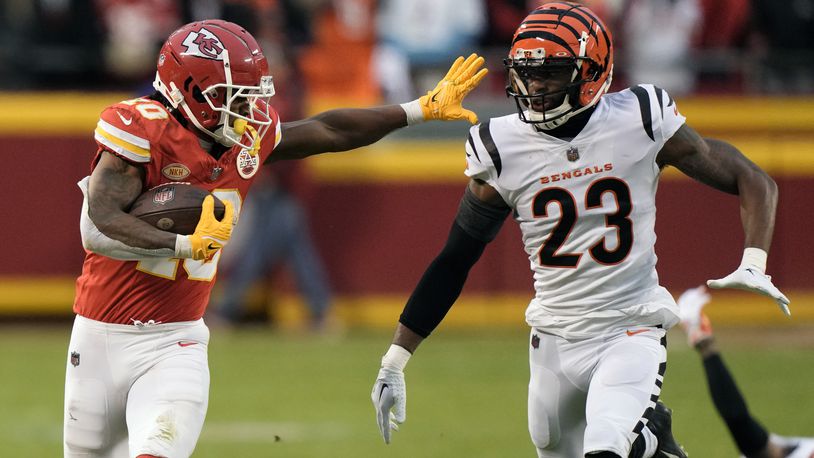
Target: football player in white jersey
{"x": 751, "y": 438}
{"x": 578, "y": 171}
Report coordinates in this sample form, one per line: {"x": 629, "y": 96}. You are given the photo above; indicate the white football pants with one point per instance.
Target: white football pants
{"x": 135, "y": 389}
{"x": 592, "y": 395}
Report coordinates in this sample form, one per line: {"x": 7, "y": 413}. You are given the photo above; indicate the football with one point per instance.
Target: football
{"x": 173, "y": 207}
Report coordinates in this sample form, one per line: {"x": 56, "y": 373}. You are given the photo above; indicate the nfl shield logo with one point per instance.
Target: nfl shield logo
{"x": 74, "y": 358}
{"x": 572, "y": 154}
{"x": 163, "y": 195}
{"x": 535, "y": 341}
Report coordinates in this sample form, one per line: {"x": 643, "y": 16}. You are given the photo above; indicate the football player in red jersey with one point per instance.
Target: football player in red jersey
{"x": 578, "y": 168}
{"x": 137, "y": 377}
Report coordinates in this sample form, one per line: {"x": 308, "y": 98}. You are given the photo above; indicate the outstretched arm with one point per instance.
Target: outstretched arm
{"x": 720, "y": 165}
{"x": 752, "y": 439}
{"x": 347, "y": 129}
{"x": 479, "y": 218}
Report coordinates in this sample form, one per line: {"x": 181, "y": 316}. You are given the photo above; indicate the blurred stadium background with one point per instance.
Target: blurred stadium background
{"x": 741, "y": 70}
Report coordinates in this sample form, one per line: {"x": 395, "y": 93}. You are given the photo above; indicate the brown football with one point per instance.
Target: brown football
{"x": 173, "y": 207}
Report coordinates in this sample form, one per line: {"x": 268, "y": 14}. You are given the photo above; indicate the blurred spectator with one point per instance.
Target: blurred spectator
{"x": 658, "y": 37}
{"x": 724, "y": 23}
{"x": 273, "y": 232}
{"x": 785, "y": 42}
{"x": 135, "y": 31}
{"x": 502, "y": 19}
{"x": 273, "y": 229}
{"x": 59, "y": 43}
{"x": 418, "y": 38}
{"x": 337, "y": 65}
{"x": 721, "y": 57}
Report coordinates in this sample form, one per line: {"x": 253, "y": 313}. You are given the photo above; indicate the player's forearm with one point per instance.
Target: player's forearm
{"x": 755, "y": 189}
{"x": 442, "y": 282}
{"x": 337, "y": 130}
{"x": 758, "y": 200}
{"x": 406, "y": 338}
{"x": 356, "y": 127}
{"x": 130, "y": 230}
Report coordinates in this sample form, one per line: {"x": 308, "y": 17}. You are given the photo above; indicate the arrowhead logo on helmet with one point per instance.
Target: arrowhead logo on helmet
{"x": 203, "y": 43}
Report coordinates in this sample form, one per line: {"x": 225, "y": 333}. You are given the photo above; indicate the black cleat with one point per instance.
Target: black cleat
{"x": 661, "y": 424}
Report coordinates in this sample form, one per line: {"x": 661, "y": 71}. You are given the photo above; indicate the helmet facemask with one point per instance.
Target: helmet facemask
{"x": 527, "y": 65}
{"x": 244, "y": 111}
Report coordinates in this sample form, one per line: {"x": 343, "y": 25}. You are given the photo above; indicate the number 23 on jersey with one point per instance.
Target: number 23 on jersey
{"x": 549, "y": 254}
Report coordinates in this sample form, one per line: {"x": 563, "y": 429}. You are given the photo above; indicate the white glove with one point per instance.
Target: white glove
{"x": 390, "y": 392}
{"x": 750, "y": 277}
{"x": 691, "y": 303}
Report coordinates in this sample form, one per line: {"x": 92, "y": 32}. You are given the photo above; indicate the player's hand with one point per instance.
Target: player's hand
{"x": 749, "y": 278}
{"x": 211, "y": 235}
{"x": 693, "y": 300}
{"x": 389, "y": 392}
{"x": 444, "y": 102}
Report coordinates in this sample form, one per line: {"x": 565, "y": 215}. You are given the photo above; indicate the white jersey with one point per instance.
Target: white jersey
{"x": 586, "y": 209}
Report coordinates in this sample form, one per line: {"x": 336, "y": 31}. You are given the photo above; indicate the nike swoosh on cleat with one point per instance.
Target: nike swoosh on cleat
{"x": 638, "y": 331}
{"x": 669, "y": 455}
{"x": 186, "y": 344}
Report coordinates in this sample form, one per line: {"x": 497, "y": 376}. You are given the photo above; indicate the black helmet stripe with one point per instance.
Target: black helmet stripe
{"x": 546, "y": 36}
{"x": 564, "y": 24}
{"x": 586, "y": 18}
{"x": 596, "y": 21}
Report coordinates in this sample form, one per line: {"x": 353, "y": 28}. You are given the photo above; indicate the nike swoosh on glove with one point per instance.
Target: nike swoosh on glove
{"x": 444, "y": 102}
{"x": 389, "y": 392}
{"x": 749, "y": 278}
{"x": 210, "y": 234}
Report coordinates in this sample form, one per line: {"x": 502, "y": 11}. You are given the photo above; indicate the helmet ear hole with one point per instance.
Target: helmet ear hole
{"x": 197, "y": 94}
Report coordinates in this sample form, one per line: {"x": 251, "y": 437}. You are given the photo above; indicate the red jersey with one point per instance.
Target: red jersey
{"x": 142, "y": 132}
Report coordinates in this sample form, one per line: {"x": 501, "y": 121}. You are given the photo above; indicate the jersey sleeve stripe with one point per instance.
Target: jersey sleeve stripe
{"x": 471, "y": 143}
{"x": 128, "y": 150}
{"x": 659, "y": 94}
{"x": 644, "y": 106}
{"x": 491, "y": 148}
{"x": 114, "y": 131}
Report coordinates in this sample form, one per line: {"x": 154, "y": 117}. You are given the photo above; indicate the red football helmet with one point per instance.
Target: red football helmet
{"x": 214, "y": 72}
{"x": 559, "y": 37}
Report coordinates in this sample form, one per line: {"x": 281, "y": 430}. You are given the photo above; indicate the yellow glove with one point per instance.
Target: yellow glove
{"x": 211, "y": 235}
{"x": 444, "y": 102}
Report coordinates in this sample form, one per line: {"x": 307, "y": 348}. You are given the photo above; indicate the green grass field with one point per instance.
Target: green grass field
{"x": 284, "y": 395}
